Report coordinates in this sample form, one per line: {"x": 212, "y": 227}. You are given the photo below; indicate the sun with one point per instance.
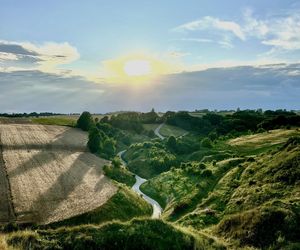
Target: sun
{"x": 137, "y": 67}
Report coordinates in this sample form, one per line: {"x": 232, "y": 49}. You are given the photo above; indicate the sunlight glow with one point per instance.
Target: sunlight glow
{"x": 137, "y": 67}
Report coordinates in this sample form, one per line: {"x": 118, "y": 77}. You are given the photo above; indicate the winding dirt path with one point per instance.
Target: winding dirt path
{"x": 157, "y": 209}
{"x": 156, "y": 131}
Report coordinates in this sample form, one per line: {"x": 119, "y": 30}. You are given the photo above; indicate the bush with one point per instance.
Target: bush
{"x": 85, "y": 121}
{"x": 206, "y": 142}
{"x": 94, "y": 140}
{"x": 206, "y": 173}
{"x": 116, "y": 162}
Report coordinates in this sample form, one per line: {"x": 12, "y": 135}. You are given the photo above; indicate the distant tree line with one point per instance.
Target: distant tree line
{"x": 32, "y": 114}
{"x": 240, "y": 121}
{"x": 132, "y": 121}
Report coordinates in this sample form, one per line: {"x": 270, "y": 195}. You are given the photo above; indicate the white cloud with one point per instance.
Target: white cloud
{"x": 26, "y": 55}
{"x": 280, "y": 31}
{"x": 7, "y": 56}
{"x": 209, "y": 22}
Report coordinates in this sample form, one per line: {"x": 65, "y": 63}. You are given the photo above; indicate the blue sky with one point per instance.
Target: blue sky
{"x": 69, "y": 41}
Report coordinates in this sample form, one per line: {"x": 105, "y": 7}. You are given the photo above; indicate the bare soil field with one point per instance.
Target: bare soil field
{"x": 51, "y": 174}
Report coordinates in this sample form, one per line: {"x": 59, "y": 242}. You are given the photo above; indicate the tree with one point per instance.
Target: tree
{"x": 85, "y": 121}
{"x": 116, "y": 162}
{"x": 94, "y": 140}
{"x": 109, "y": 147}
{"x": 172, "y": 143}
{"x": 206, "y": 142}
{"x": 213, "y": 136}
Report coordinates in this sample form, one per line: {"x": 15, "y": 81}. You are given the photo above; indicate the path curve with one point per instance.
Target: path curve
{"x": 156, "y": 131}
{"x": 157, "y": 209}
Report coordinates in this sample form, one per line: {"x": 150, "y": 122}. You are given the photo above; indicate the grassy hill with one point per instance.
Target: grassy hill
{"x": 123, "y": 206}
{"x": 250, "y": 201}
{"x": 136, "y": 234}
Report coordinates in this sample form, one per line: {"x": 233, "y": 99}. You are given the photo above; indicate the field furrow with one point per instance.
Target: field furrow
{"x": 52, "y": 175}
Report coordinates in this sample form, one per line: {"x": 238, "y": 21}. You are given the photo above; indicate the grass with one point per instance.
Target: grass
{"x": 123, "y": 206}
{"x": 61, "y": 121}
{"x": 169, "y": 130}
{"x": 166, "y": 130}
{"x": 150, "y": 127}
{"x": 180, "y": 189}
{"x": 252, "y": 201}
{"x": 258, "y": 143}
{"x": 120, "y": 174}
{"x": 137, "y": 234}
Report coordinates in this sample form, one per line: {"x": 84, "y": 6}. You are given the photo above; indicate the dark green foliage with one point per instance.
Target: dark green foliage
{"x": 151, "y": 134}
{"x": 212, "y": 136}
{"x": 127, "y": 121}
{"x": 261, "y": 227}
{"x": 149, "y": 159}
{"x": 235, "y": 124}
{"x": 116, "y": 162}
{"x": 109, "y": 147}
{"x": 206, "y": 142}
{"x": 85, "y": 121}
{"x": 10, "y": 227}
{"x": 121, "y": 175}
{"x": 172, "y": 143}
{"x": 206, "y": 173}
{"x": 138, "y": 234}
{"x": 94, "y": 140}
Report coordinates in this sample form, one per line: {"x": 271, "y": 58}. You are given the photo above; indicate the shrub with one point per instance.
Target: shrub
{"x": 85, "y": 121}
{"x": 206, "y": 173}
{"x": 206, "y": 142}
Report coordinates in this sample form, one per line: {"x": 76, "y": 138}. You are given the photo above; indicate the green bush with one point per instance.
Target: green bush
{"x": 85, "y": 121}
{"x": 206, "y": 142}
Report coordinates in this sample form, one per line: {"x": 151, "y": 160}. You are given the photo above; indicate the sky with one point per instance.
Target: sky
{"x": 70, "y": 56}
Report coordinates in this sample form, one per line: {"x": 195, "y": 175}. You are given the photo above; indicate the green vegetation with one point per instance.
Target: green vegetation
{"x": 234, "y": 177}
{"x": 169, "y": 130}
{"x": 120, "y": 174}
{"x": 252, "y": 200}
{"x": 149, "y": 158}
{"x": 85, "y": 121}
{"x": 124, "y": 205}
{"x": 61, "y": 121}
{"x": 236, "y": 123}
{"x": 136, "y": 234}
{"x": 180, "y": 189}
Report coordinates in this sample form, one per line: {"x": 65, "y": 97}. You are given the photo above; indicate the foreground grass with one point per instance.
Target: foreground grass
{"x": 123, "y": 206}
{"x": 136, "y": 234}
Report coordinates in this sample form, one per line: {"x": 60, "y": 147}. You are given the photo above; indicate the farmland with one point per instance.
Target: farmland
{"x": 50, "y": 173}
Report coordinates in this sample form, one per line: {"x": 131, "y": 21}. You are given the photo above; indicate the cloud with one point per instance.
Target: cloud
{"x": 267, "y": 86}
{"x": 279, "y": 31}
{"x": 46, "y": 57}
{"x": 209, "y": 22}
